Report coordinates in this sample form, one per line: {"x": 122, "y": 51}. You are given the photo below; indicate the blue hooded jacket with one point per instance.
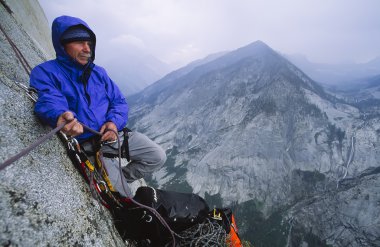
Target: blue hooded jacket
{"x": 61, "y": 89}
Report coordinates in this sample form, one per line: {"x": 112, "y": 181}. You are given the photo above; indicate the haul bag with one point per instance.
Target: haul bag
{"x": 180, "y": 211}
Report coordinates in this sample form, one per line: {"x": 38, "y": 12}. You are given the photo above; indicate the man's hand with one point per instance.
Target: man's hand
{"x": 108, "y": 135}
{"x": 73, "y": 128}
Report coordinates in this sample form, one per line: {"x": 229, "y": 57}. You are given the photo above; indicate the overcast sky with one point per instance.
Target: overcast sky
{"x": 180, "y": 31}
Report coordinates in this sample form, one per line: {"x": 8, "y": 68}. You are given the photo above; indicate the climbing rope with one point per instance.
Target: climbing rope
{"x": 18, "y": 53}
{"x": 31, "y": 147}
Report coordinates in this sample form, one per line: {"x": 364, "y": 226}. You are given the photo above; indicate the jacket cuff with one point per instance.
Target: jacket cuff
{"x": 119, "y": 124}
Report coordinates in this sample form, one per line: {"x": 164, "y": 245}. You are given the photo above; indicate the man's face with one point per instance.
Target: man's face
{"x": 79, "y": 50}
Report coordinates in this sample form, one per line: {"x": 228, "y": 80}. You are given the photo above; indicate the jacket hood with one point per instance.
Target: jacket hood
{"x": 60, "y": 25}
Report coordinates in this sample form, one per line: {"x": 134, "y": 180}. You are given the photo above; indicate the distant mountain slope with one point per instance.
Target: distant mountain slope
{"x": 171, "y": 77}
{"x": 337, "y": 75}
{"x": 249, "y": 128}
{"x": 363, "y": 93}
{"x": 132, "y": 71}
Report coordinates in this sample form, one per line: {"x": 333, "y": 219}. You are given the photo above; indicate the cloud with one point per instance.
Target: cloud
{"x": 127, "y": 40}
{"x": 180, "y": 31}
{"x": 187, "y": 52}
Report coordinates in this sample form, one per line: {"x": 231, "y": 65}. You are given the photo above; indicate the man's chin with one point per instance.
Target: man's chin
{"x": 83, "y": 61}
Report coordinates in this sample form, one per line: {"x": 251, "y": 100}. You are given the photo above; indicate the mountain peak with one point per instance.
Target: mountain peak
{"x": 258, "y": 44}
{"x": 253, "y": 49}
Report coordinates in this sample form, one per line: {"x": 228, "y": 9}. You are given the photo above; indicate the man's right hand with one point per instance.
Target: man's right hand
{"x": 72, "y": 128}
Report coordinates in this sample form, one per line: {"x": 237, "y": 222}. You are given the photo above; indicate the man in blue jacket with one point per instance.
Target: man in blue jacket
{"x": 72, "y": 88}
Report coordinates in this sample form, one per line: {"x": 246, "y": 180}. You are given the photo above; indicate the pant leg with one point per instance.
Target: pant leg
{"x": 146, "y": 157}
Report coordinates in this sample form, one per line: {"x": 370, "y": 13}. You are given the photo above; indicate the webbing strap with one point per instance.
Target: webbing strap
{"x": 125, "y": 144}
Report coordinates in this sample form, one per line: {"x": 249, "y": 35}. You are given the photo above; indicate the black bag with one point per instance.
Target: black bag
{"x": 179, "y": 210}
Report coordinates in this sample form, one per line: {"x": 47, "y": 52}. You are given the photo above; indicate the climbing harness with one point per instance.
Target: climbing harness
{"x": 95, "y": 175}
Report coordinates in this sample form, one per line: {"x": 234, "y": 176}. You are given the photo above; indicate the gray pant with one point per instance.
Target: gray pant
{"x": 146, "y": 157}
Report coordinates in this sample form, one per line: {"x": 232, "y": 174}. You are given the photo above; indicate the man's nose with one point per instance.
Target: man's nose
{"x": 86, "y": 47}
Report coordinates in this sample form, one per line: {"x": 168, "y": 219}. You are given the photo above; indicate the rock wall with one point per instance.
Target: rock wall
{"x": 31, "y": 17}
{"x": 44, "y": 200}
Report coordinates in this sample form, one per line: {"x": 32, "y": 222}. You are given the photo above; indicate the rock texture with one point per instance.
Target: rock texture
{"x": 250, "y": 129}
{"x": 44, "y": 200}
{"x": 345, "y": 216}
{"x": 32, "y": 18}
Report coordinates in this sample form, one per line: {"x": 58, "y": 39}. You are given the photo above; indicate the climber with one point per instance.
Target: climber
{"x": 71, "y": 88}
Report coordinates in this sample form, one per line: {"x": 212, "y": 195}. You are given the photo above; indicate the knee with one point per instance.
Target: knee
{"x": 159, "y": 158}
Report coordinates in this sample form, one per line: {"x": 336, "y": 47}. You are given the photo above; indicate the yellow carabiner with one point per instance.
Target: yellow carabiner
{"x": 216, "y": 216}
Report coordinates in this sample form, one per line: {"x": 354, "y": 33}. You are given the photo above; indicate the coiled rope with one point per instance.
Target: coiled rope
{"x": 209, "y": 233}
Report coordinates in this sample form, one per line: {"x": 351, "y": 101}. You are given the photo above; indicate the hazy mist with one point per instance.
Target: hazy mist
{"x": 180, "y": 31}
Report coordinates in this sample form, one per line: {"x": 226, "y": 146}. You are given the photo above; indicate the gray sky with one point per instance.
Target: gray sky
{"x": 180, "y": 31}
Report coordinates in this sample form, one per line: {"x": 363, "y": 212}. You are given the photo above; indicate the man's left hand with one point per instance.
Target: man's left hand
{"x": 108, "y": 135}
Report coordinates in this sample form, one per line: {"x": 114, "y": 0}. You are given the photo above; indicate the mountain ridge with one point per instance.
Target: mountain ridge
{"x": 255, "y": 50}
{"x": 336, "y": 74}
